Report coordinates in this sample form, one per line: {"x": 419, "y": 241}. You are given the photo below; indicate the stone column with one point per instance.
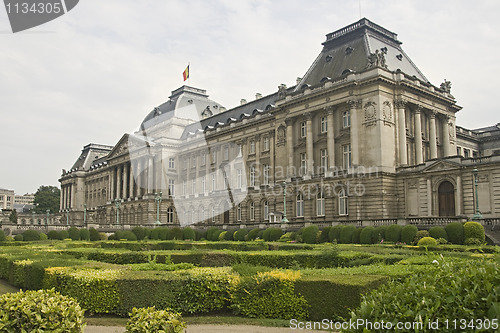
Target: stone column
{"x": 309, "y": 145}
{"x": 446, "y": 137}
{"x": 418, "y": 136}
{"x": 61, "y": 199}
{"x": 403, "y": 158}
{"x": 353, "y": 105}
{"x": 72, "y": 196}
{"x": 125, "y": 181}
{"x": 429, "y": 197}
{"x": 432, "y": 135}
{"x": 330, "y": 138}
{"x": 131, "y": 180}
{"x": 118, "y": 181}
{"x": 289, "y": 146}
{"x": 150, "y": 175}
{"x": 66, "y": 196}
{"x": 271, "y": 157}
{"x": 138, "y": 175}
{"x": 458, "y": 196}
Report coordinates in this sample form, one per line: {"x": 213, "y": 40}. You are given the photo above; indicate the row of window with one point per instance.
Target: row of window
{"x": 323, "y": 124}
{"x": 467, "y": 152}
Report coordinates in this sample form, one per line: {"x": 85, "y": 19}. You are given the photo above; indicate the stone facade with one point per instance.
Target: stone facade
{"x": 362, "y": 138}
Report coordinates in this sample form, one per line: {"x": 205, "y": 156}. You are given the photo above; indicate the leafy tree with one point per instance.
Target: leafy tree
{"x": 47, "y": 197}
{"x": 13, "y": 217}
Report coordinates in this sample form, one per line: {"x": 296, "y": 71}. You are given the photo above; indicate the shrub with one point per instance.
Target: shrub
{"x": 127, "y": 235}
{"x": 323, "y": 238}
{"x": 272, "y": 234}
{"x": 240, "y": 234}
{"x": 31, "y": 235}
{"x": 188, "y": 233}
{"x": 393, "y": 233}
{"x": 103, "y": 236}
{"x": 252, "y": 234}
{"x": 420, "y": 234}
{"x": 163, "y": 233}
{"x": 74, "y": 233}
{"x": 309, "y": 234}
{"x": 176, "y": 233}
{"x": 269, "y": 295}
{"x": 84, "y": 234}
{"x": 139, "y": 232}
{"x": 438, "y": 232}
{"x": 427, "y": 242}
{"x": 346, "y": 234}
{"x": 63, "y": 234}
{"x": 441, "y": 298}
{"x": 379, "y": 234}
{"x": 18, "y": 237}
{"x": 229, "y": 235}
{"x": 356, "y": 237}
{"x": 474, "y": 230}
{"x": 408, "y": 234}
{"x": 334, "y": 234}
{"x": 93, "y": 234}
{"x": 53, "y": 234}
{"x": 145, "y": 320}
{"x": 155, "y": 233}
{"x": 3, "y": 238}
{"x": 289, "y": 236}
{"x": 455, "y": 232}
{"x": 366, "y": 236}
{"x": 474, "y": 241}
{"x": 222, "y": 235}
{"x": 40, "y": 311}
{"x": 213, "y": 233}
{"x": 43, "y": 236}
{"x": 200, "y": 234}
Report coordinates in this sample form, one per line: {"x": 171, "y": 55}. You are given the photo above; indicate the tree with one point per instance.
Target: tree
{"x": 47, "y": 197}
{"x": 13, "y": 217}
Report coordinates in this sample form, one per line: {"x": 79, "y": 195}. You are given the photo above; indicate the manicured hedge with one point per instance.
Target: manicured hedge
{"x": 149, "y": 319}
{"x": 408, "y": 234}
{"x": 333, "y": 297}
{"x": 438, "y": 232}
{"x": 366, "y": 236}
{"x": 393, "y": 233}
{"x": 347, "y": 233}
{"x": 309, "y": 234}
{"x": 473, "y": 230}
{"x": 455, "y": 232}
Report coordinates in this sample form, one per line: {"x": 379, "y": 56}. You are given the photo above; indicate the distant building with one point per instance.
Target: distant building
{"x": 6, "y": 199}
{"x": 363, "y": 138}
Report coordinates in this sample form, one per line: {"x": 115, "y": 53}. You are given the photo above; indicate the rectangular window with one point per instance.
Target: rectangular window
{"x": 193, "y": 186}
{"x": 324, "y": 160}
{"x": 320, "y": 204}
{"x": 204, "y": 184}
{"x": 252, "y": 147}
{"x": 184, "y": 163}
{"x": 171, "y": 186}
{"x": 266, "y": 143}
{"x": 252, "y": 176}
{"x": 203, "y": 159}
{"x": 238, "y": 213}
{"x": 266, "y": 174}
{"x": 466, "y": 153}
{"x": 226, "y": 153}
{"x": 252, "y": 211}
{"x": 324, "y": 124}
{"x": 239, "y": 178}
{"x": 343, "y": 207}
{"x": 171, "y": 163}
{"x": 346, "y": 119}
{"x": 303, "y": 164}
{"x": 184, "y": 188}
{"x": 214, "y": 182}
{"x": 214, "y": 156}
{"x": 347, "y": 162}
{"x": 303, "y": 129}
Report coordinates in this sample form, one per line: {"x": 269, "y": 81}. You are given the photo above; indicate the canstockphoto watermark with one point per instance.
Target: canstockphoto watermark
{"x": 26, "y": 14}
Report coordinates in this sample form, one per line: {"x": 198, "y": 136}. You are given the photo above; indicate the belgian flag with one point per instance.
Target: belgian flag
{"x": 185, "y": 74}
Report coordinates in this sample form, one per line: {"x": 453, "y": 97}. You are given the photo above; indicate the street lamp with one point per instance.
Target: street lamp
{"x": 284, "y": 219}
{"x": 118, "y": 203}
{"x": 477, "y": 215}
{"x": 47, "y": 220}
{"x": 158, "y": 201}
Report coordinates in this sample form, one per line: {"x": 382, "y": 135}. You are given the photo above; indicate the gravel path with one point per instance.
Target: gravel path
{"x": 208, "y": 329}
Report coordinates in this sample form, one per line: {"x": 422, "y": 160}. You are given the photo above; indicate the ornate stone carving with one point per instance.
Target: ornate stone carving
{"x": 400, "y": 103}
{"x": 413, "y": 183}
{"x": 446, "y": 86}
{"x": 329, "y": 109}
{"x": 280, "y": 139}
{"x": 377, "y": 59}
{"x": 282, "y": 91}
{"x": 370, "y": 111}
{"x": 387, "y": 111}
{"x": 354, "y": 103}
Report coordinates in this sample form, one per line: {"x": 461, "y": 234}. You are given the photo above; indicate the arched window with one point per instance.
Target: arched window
{"x": 300, "y": 205}
{"x": 320, "y": 204}
{"x": 170, "y": 215}
{"x": 265, "y": 211}
{"x": 212, "y": 214}
{"x": 238, "y": 212}
{"x": 252, "y": 211}
{"x": 343, "y": 203}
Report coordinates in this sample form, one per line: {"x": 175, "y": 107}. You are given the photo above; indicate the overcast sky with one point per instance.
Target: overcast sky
{"x": 93, "y": 74}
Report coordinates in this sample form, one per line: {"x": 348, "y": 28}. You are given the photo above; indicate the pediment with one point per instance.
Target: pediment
{"x": 121, "y": 147}
{"x": 441, "y": 166}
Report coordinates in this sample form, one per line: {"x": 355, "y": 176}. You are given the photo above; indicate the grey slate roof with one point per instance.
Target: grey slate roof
{"x": 349, "y": 49}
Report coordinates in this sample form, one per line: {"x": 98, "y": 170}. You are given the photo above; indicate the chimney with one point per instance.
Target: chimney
{"x": 258, "y": 95}
{"x": 243, "y": 101}
{"x": 298, "y": 80}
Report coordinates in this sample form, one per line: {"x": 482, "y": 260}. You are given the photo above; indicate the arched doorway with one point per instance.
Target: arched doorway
{"x": 446, "y": 197}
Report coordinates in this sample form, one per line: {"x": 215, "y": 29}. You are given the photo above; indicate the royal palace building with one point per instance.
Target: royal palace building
{"x": 363, "y": 138}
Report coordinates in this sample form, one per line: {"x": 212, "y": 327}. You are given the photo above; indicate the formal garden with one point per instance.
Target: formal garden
{"x": 157, "y": 277}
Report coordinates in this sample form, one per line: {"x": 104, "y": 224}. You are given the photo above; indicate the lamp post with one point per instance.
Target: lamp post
{"x": 118, "y": 203}
{"x": 477, "y": 215}
{"x": 284, "y": 219}
{"x": 47, "y": 220}
{"x": 158, "y": 201}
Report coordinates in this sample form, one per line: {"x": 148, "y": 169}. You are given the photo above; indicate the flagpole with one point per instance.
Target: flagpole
{"x": 189, "y": 76}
